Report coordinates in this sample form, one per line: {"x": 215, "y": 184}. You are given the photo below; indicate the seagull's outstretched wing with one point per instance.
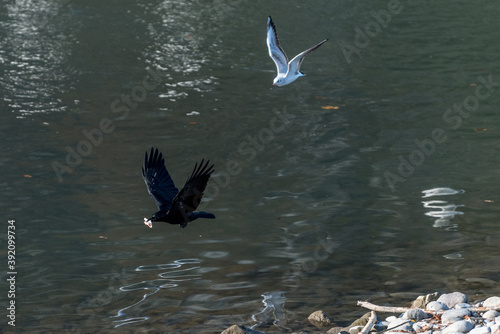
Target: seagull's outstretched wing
{"x": 294, "y": 67}
{"x": 275, "y": 51}
{"x": 190, "y": 195}
{"x": 160, "y": 185}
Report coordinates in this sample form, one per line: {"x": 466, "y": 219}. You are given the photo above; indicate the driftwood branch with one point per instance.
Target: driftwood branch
{"x": 390, "y": 309}
{"x": 369, "y": 325}
{"x": 386, "y": 309}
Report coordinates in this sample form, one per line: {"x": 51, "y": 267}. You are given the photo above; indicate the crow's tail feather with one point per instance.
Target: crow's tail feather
{"x": 200, "y": 214}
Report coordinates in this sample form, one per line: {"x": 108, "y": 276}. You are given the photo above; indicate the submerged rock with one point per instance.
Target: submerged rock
{"x": 239, "y": 329}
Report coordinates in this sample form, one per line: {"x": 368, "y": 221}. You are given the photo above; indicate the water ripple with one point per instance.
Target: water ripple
{"x": 444, "y": 211}
{"x": 273, "y": 307}
{"x": 169, "y": 279}
{"x": 441, "y": 192}
{"x": 233, "y": 285}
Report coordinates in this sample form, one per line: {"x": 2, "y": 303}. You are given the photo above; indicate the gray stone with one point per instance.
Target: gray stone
{"x": 238, "y": 329}
{"x": 421, "y": 301}
{"x": 463, "y": 305}
{"x": 492, "y": 302}
{"x": 415, "y": 314}
{"x": 319, "y": 319}
{"x": 454, "y": 315}
{"x": 480, "y": 330}
{"x": 436, "y": 306}
{"x": 361, "y": 321}
{"x": 495, "y": 328}
{"x": 420, "y": 326}
{"x": 461, "y": 326}
{"x": 336, "y": 330}
{"x": 452, "y": 299}
{"x": 400, "y": 324}
{"x": 491, "y": 314}
{"x": 355, "y": 329}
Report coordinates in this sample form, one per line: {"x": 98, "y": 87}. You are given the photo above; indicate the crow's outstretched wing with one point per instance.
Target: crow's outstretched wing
{"x": 160, "y": 185}
{"x": 190, "y": 195}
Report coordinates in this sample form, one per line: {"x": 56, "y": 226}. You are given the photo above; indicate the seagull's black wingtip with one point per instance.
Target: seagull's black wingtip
{"x": 270, "y": 23}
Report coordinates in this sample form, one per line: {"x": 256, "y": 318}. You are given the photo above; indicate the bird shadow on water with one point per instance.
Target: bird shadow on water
{"x": 169, "y": 279}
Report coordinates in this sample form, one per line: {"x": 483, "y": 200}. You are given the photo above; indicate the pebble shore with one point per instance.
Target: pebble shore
{"x": 450, "y": 313}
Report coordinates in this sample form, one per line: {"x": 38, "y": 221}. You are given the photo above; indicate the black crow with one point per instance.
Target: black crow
{"x": 175, "y": 207}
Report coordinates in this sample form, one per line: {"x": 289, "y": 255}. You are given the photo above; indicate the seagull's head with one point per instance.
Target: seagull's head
{"x": 277, "y": 82}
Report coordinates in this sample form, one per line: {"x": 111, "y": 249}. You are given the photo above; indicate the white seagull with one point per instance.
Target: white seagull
{"x": 288, "y": 72}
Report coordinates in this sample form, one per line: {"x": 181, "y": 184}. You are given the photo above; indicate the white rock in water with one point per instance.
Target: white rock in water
{"x": 492, "y": 302}
{"x": 452, "y": 299}
{"x": 461, "y": 326}
{"x": 400, "y": 324}
{"x": 454, "y": 315}
{"x": 436, "y": 306}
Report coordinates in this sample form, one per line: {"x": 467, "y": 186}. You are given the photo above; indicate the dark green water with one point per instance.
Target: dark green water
{"x": 316, "y": 207}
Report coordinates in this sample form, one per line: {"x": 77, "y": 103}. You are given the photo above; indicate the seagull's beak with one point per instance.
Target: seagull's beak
{"x": 148, "y": 222}
{"x": 274, "y": 84}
